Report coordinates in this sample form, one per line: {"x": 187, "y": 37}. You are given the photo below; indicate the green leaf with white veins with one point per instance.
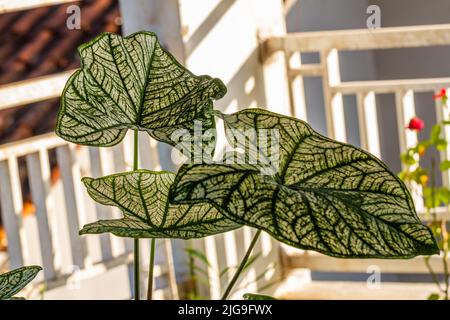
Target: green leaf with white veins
{"x": 132, "y": 83}
{"x": 13, "y": 281}
{"x": 142, "y": 196}
{"x": 325, "y": 196}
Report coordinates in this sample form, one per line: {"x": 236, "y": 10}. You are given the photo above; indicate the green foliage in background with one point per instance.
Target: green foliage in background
{"x": 421, "y": 177}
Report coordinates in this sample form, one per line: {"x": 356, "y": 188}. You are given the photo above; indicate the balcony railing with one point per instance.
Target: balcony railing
{"x": 50, "y": 236}
{"x": 328, "y": 44}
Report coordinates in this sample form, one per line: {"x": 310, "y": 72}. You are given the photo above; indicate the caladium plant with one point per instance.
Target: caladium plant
{"x": 321, "y": 194}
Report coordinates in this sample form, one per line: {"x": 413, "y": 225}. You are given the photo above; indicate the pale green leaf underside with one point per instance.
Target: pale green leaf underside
{"x": 14, "y": 281}
{"x": 132, "y": 83}
{"x": 142, "y": 196}
{"x": 252, "y": 296}
{"x": 326, "y": 196}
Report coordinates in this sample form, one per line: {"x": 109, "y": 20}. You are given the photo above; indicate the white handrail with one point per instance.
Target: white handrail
{"x": 391, "y": 86}
{"x": 360, "y": 39}
{"x": 33, "y": 90}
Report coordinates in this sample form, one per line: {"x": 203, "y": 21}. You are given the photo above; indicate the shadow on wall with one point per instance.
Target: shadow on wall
{"x": 208, "y": 24}
{"x": 245, "y": 89}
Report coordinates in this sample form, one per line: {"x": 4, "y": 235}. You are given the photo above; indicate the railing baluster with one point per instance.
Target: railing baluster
{"x": 250, "y": 272}
{"x": 103, "y": 212}
{"x": 121, "y": 166}
{"x": 39, "y": 177}
{"x": 128, "y": 150}
{"x": 31, "y": 229}
{"x": 334, "y": 104}
{"x": 242, "y": 241}
{"x": 70, "y": 175}
{"x": 270, "y": 261}
{"x": 296, "y": 87}
{"x": 108, "y": 163}
{"x": 63, "y": 249}
{"x": 443, "y": 114}
{"x": 203, "y": 287}
{"x": 368, "y": 123}
{"x": 148, "y": 152}
{"x": 213, "y": 267}
{"x": 171, "y": 274}
{"x": 87, "y": 205}
{"x": 11, "y": 210}
{"x": 231, "y": 252}
{"x": 221, "y": 260}
{"x": 405, "y": 110}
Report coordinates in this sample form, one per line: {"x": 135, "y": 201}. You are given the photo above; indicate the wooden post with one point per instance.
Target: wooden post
{"x": 39, "y": 175}
{"x": 368, "y": 123}
{"x": 71, "y": 180}
{"x": 406, "y": 110}
{"x": 12, "y": 205}
{"x": 443, "y": 114}
{"x": 297, "y": 86}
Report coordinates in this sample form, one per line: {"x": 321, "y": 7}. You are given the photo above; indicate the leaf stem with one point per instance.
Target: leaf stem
{"x": 150, "y": 271}
{"x": 433, "y": 274}
{"x": 241, "y": 266}
{"x": 136, "y": 241}
{"x": 445, "y": 255}
{"x": 136, "y": 269}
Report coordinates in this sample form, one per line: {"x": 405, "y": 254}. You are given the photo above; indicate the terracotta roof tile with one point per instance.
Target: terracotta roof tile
{"x": 37, "y": 42}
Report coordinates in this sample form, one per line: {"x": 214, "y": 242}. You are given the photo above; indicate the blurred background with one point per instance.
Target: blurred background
{"x": 356, "y": 70}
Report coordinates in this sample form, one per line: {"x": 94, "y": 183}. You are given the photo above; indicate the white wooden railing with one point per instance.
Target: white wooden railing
{"x": 50, "y": 236}
{"x": 328, "y": 44}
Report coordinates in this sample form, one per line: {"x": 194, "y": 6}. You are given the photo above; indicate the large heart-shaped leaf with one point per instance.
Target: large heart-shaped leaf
{"x": 326, "y": 196}
{"x": 14, "y": 281}
{"x": 142, "y": 196}
{"x": 132, "y": 83}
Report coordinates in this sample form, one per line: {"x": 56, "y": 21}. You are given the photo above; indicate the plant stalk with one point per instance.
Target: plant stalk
{"x": 433, "y": 274}
{"x": 150, "y": 271}
{"x": 241, "y": 266}
{"x": 136, "y": 240}
{"x": 444, "y": 258}
{"x": 435, "y": 221}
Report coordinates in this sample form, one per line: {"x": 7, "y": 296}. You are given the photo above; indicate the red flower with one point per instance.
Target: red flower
{"x": 441, "y": 95}
{"x": 416, "y": 124}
